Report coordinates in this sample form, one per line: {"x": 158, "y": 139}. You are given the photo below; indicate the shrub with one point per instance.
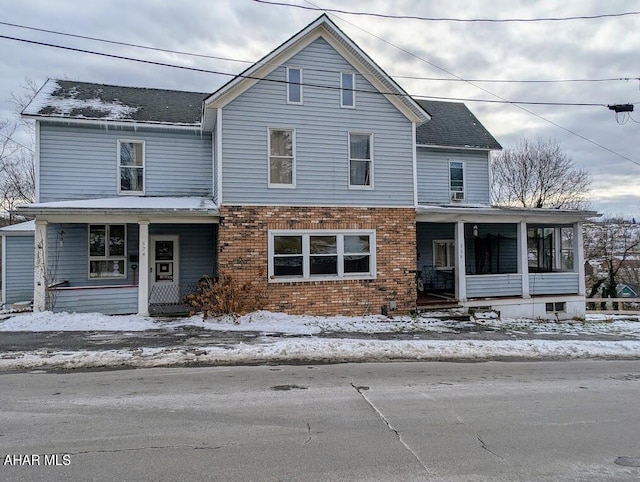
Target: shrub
{"x": 225, "y": 295}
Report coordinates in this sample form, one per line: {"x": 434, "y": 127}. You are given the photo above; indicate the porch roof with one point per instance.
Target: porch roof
{"x": 20, "y": 229}
{"x": 482, "y": 213}
{"x": 126, "y": 205}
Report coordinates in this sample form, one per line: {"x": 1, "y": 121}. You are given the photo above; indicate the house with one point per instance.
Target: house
{"x": 17, "y": 260}
{"x": 312, "y": 174}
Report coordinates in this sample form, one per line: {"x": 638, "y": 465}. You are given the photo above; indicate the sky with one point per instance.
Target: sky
{"x": 595, "y": 137}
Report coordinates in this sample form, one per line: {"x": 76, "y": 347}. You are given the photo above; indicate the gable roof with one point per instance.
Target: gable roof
{"x": 323, "y": 28}
{"x": 452, "y": 124}
{"x": 83, "y": 101}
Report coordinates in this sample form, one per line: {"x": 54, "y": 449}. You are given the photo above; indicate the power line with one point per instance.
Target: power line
{"x": 229, "y": 59}
{"x": 449, "y": 19}
{"x": 488, "y": 91}
{"x": 321, "y": 86}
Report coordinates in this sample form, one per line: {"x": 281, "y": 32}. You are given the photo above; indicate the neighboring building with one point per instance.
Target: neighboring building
{"x": 312, "y": 174}
{"x": 17, "y": 263}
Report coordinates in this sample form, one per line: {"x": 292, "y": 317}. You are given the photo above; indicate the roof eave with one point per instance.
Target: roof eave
{"x": 113, "y": 122}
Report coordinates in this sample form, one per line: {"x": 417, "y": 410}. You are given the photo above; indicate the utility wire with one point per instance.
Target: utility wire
{"x": 622, "y": 156}
{"x": 449, "y": 19}
{"x": 228, "y": 59}
{"x": 320, "y": 86}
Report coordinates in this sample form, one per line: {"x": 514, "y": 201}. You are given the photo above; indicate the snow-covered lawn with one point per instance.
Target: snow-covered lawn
{"x": 300, "y": 344}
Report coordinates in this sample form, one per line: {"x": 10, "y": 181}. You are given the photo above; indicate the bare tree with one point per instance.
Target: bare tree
{"x": 17, "y": 154}
{"x": 538, "y": 175}
{"x": 610, "y": 245}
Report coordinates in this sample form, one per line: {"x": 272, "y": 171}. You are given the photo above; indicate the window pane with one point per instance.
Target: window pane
{"x": 323, "y": 265}
{"x": 360, "y": 146}
{"x": 131, "y": 154}
{"x": 281, "y": 143}
{"x": 107, "y": 269}
{"x": 97, "y": 240}
{"x": 347, "y": 90}
{"x": 287, "y": 245}
{"x": 356, "y": 264}
{"x": 281, "y": 170}
{"x": 456, "y": 171}
{"x": 356, "y": 244}
{"x": 116, "y": 240}
{"x": 131, "y": 179}
{"x": 360, "y": 174}
{"x": 164, "y": 250}
{"x": 295, "y": 89}
{"x": 323, "y": 244}
{"x": 288, "y": 266}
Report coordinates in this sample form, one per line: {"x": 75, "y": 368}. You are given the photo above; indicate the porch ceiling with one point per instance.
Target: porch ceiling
{"x": 126, "y": 206}
{"x": 498, "y": 214}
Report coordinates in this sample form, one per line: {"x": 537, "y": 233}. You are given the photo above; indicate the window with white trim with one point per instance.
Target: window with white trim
{"x": 282, "y": 157}
{"x": 321, "y": 255}
{"x": 444, "y": 254}
{"x": 347, "y": 92}
{"x": 550, "y": 248}
{"x": 456, "y": 180}
{"x": 107, "y": 251}
{"x": 131, "y": 167}
{"x": 360, "y": 160}
{"x": 294, "y": 85}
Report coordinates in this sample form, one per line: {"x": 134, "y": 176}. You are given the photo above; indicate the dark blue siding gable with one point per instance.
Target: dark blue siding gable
{"x": 322, "y": 128}
{"x": 81, "y": 162}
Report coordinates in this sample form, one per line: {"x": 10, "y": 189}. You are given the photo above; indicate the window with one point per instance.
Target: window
{"x": 294, "y": 85}
{"x": 360, "y": 161}
{"x": 321, "y": 255}
{"x": 107, "y": 251}
{"x": 444, "y": 254}
{"x": 131, "y": 166}
{"x": 347, "y": 92}
{"x": 550, "y": 248}
{"x": 456, "y": 180}
{"x": 555, "y": 307}
{"x": 281, "y": 157}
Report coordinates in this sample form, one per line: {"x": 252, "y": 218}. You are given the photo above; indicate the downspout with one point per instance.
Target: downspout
{"x": 219, "y": 155}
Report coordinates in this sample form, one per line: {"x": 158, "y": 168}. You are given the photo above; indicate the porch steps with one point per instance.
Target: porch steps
{"x": 444, "y": 313}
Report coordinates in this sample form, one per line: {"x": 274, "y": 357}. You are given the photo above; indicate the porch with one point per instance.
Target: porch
{"x": 507, "y": 256}
{"x": 130, "y": 260}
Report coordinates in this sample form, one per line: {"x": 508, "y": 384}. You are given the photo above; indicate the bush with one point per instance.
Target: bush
{"x": 226, "y": 296}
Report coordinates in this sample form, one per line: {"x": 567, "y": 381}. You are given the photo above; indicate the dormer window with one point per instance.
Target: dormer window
{"x": 347, "y": 92}
{"x": 294, "y": 85}
{"x": 131, "y": 167}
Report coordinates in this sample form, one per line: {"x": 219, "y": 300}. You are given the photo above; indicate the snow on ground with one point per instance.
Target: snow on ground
{"x": 301, "y": 346}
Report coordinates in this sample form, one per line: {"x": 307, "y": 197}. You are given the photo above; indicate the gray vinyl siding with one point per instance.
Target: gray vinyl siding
{"x": 115, "y": 300}
{"x": 433, "y": 175}
{"x": 426, "y": 233}
{"x": 553, "y": 283}
{"x": 19, "y": 268}
{"x": 494, "y": 285}
{"x": 69, "y": 253}
{"x": 322, "y": 127}
{"x": 81, "y": 162}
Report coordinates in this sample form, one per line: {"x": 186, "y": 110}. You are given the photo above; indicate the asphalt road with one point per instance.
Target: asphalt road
{"x": 494, "y": 421}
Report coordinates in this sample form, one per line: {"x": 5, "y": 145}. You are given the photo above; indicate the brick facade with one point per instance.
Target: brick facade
{"x": 243, "y": 246}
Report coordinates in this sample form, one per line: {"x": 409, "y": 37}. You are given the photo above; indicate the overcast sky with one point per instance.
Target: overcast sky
{"x": 246, "y": 30}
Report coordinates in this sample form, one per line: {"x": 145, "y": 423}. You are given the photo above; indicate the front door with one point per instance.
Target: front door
{"x": 164, "y": 271}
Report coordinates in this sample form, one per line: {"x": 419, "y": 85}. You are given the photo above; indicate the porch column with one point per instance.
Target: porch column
{"x": 461, "y": 263}
{"x": 523, "y": 262}
{"x": 578, "y": 258}
{"x": 40, "y": 267}
{"x": 143, "y": 261}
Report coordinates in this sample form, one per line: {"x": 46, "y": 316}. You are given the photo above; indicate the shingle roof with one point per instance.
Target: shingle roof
{"x": 81, "y": 100}
{"x": 453, "y": 125}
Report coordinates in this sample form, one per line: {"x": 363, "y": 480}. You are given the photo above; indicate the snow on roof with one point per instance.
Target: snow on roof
{"x": 132, "y": 204}
{"x": 63, "y": 99}
{"x": 27, "y": 227}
